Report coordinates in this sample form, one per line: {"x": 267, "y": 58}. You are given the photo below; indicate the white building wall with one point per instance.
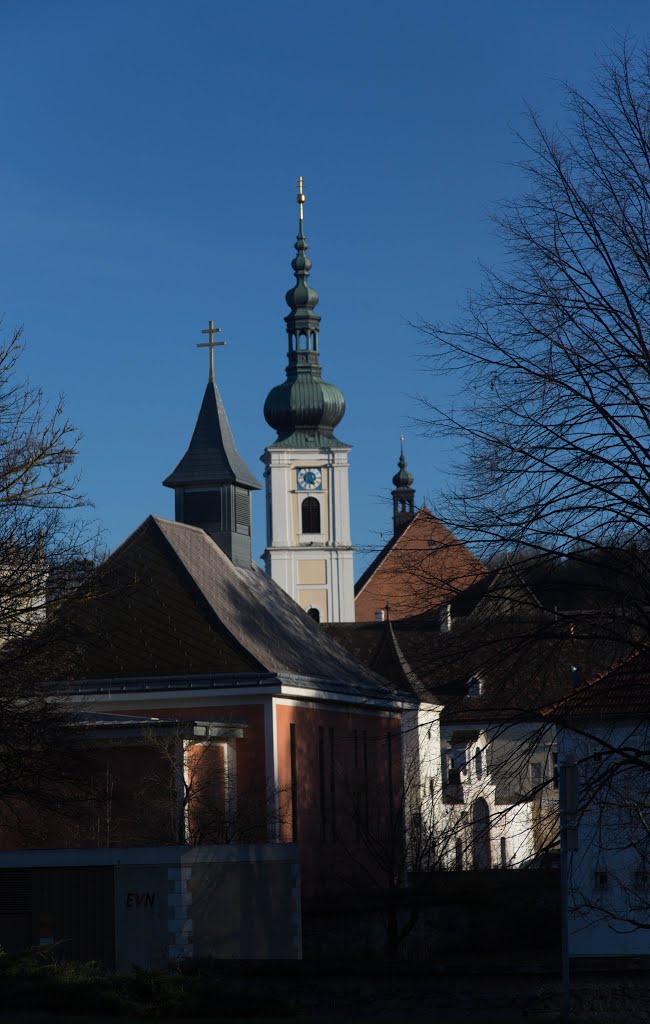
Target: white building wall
{"x": 609, "y": 873}
{"x": 330, "y": 587}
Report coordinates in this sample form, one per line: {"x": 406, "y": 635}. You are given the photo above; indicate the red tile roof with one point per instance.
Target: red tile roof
{"x": 417, "y": 571}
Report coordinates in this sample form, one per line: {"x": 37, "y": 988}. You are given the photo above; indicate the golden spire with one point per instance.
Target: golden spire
{"x": 300, "y": 198}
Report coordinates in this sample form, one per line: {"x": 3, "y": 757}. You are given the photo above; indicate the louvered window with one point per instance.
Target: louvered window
{"x": 242, "y": 510}
{"x": 310, "y": 510}
{"x": 200, "y": 507}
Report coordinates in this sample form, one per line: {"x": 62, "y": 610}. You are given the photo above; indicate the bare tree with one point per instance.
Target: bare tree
{"x": 553, "y": 425}
{"x": 46, "y": 553}
{"x": 553, "y": 350}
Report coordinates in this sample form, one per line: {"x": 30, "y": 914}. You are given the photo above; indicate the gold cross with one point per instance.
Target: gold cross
{"x": 300, "y": 198}
{"x": 211, "y": 345}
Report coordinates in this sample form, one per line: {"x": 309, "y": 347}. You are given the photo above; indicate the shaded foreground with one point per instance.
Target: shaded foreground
{"x": 35, "y": 988}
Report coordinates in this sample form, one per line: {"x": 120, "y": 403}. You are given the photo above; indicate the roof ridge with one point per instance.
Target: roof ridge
{"x": 196, "y": 586}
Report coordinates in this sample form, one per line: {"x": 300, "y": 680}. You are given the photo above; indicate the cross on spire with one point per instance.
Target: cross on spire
{"x": 211, "y": 344}
{"x": 300, "y": 198}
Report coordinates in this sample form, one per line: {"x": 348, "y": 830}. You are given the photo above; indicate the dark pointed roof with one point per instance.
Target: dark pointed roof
{"x": 173, "y": 606}
{"x": 212, "y": 457}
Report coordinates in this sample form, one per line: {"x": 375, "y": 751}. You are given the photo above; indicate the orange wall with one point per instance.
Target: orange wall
{"x": 115, "y": 795}
{"x": 341, "y": 809}
{"x": 251, "y": 759}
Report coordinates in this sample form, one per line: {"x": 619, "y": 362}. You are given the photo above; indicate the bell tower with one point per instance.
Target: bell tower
{"x": 403, "y": 494}
{"x": 309, "y": 552}
{"x": 212, "y": 483}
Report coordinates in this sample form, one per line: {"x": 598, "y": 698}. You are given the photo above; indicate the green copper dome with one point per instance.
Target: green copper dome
{"x": 304, "y": 410}
{"x": 305, "y": 405}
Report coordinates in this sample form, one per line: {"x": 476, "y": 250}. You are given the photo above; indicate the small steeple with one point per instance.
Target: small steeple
{"x": 304, "y": 409}
{"x": 403, "y": 495}
{"x": 212, "y": 483}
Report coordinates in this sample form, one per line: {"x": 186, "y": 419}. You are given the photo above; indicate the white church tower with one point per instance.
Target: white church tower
{"x": 309, "y": 551}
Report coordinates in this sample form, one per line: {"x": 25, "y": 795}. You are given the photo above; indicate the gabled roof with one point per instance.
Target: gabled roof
{"x": 373, "y": 643}
{"x": 421, "y": 568}
{"x": 623, "y": 692}
{"x": 172, "y": 602}
{"x": 212, "y": 457}
{"x": 523, "y": 669}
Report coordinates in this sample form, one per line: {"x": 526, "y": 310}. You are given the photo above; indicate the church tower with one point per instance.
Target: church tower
{"x": 212, "y": 483}
{"x": 403, "y": 494}
{"x": 309, "y": 552}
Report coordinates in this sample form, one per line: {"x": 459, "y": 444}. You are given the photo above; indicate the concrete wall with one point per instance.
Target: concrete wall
{"x": 229, "y": 901}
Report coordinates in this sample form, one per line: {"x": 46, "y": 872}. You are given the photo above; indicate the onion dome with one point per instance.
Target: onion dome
{"x": 304, "y": 410}
{"x": 403, "y": 494}
{"x": 402, "y": 478}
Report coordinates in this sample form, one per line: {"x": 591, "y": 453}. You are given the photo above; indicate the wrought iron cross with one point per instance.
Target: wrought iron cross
{"x": 211, "y": 344}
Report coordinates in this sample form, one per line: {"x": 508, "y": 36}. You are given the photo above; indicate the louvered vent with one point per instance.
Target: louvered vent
{"x": 242, "y": 510}
{"x": 201, "y": 507}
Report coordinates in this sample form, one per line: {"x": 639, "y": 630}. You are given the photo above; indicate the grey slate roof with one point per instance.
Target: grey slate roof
{"x": 171, "y": 605}
{"x": 266, "y": 622}
{"x": 212, "y": 456}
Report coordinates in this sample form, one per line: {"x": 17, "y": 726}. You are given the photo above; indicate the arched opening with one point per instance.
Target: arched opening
{"x": 313, "y": 341}
{"x": 478, "y": 763}
{"x": 310, "y": 513}
{"x": 481, "y": 857}
{"x": 302, "y": 343}
{"x": 314, "y": 614}
{"x": 458, "y": 855}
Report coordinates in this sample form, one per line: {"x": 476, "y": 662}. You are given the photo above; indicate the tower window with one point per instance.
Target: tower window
{"x": 200, "y": 507}
{"x": 310, "y": 513}
{"x": 314, "y": 614}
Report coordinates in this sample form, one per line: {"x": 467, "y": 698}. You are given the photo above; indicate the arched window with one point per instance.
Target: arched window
{"x": 481, "y": 852}
{"x": 310, "y": 510}
{"x": 478, "y": 763}
{"x": 458, "y": 858}
{"x": 314, "y": 614}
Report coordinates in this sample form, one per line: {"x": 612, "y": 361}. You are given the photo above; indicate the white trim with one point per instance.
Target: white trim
{"x": 303, "y": 693}
{"x": 271, "y": 765}
{"x": 230, "y": 781}
{"x": 183, "y": 786}
{"x": 317, "y": 706}
{"x": 183, "y": 697}
{"x": 178, "y": 856}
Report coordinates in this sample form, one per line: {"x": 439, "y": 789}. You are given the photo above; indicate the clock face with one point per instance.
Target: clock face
{"x": 310, "y": 479}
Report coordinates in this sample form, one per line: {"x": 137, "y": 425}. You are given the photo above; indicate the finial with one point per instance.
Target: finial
{"x": 211, "y": 330}
{"x": 300, "y": 198}
{"x": 402, "y": 478}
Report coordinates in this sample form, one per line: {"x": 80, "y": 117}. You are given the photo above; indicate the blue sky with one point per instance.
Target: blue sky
{"x": 149, "y": 151}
